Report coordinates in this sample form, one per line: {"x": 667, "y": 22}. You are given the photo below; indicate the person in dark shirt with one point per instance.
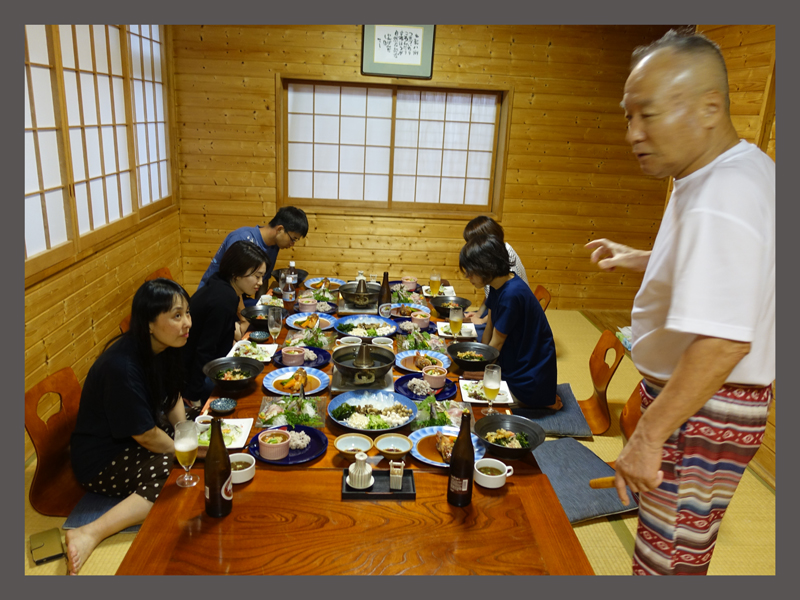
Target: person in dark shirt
{"x": 516, "y": 323}
{"x": 130, "y": 402}
{"x": 214, "y": 310}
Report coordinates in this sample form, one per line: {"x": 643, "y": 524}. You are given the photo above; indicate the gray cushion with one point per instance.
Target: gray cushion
{"x": 567, "y": 422}
{"x": 90, "y": 508}
{"x": 569, "y": 465}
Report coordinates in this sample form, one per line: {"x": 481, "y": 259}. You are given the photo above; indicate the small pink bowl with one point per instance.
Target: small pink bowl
{"x": 435, "y": 376}
{"x": 273, "y": 451}
{"x": 420, "y": 318}
{"x": 293, "y": 357}
{"x": 410, "y": 283}
{"x": 307, "y": 304}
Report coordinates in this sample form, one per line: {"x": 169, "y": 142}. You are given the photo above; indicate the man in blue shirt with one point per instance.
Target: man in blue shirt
{"x": 287, "y": 227}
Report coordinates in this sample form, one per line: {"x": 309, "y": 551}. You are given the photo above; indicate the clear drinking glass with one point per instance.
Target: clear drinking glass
{"x": 456, "y": 319}
{"x": 373, "y": 278}
{"x": 186, "y": 451}
{"x": 275, "y": 322}
{"x": 491, "y": 386}
{"x": 435, "y": 281}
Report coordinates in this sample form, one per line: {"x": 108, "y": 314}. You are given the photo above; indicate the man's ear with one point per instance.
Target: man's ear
{"x": 712, "y": 108}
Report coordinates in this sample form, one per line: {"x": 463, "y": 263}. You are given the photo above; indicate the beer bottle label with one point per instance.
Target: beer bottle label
{"x": 208, "y": 494}
{"x": 458, "y": 485}
{"x": 227, "y": 489}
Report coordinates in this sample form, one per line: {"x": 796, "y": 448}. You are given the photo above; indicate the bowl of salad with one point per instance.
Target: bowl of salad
{"x": 509, "y": 436}
{"x": 473, "y": 356}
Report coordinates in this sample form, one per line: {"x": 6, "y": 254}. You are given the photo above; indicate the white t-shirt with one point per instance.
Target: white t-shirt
{"x": 712, "y": 269}
{"x": 517, "y": 269}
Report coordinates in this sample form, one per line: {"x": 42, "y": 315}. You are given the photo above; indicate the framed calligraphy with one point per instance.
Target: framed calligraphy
{"x": 398, "y": 51}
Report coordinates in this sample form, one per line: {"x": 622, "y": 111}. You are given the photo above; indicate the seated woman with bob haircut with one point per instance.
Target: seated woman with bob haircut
{"x": 215, "y": 313}
{"x": 516, "y": 323}
{"x": 130, "y": 402}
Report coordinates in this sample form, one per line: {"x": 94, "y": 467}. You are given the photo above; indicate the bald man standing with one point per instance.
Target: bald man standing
{"x": 703, "y": 321}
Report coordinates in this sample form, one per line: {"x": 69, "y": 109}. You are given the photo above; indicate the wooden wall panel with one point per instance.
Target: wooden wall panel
{"x": 70, "y": 316}
{"x": 570, "y": 174}
{"x": 749, "y": 52}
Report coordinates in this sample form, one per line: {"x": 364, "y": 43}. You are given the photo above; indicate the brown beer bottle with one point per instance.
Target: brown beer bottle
{"x": 218, "y": 482}
{"x": 385, "y": 298}
{"x": 462, "y": 463}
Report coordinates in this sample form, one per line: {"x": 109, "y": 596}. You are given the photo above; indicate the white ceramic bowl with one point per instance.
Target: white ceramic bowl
{"x": 420, "y": 318}
{"x": 307, "y": 304}
{"x": 393, "y": 446}
{"x": 435, "y": 376}
{"x": 384, "y": 342}
{"x": 410, "y": 283}
{"x": 273, "y": 451}
{"x": 350, "y": 444}
{"x": 348, "y": 341}
{"x": 492, "y": 481}
{"x": 245, "y": 474}
{"x": 293, "y": 357}
{"x": 203, "y": 422}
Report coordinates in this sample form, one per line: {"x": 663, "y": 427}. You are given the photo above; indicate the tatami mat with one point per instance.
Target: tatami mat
{"x": 746, "y": 542}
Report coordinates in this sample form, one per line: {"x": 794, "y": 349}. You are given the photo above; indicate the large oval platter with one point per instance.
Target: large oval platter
{"x": 404, "y": 360}
{"x": 356, "y": 319}
{"x": 422, "y": 444}
{"x": 325, "y": 321}
{"x": 316, "y": 447}
{"x": 360, "y": 397}
{"x": 287, "y": 373}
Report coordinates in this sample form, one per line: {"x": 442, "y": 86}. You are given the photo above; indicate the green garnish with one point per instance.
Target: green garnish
{"x": 343, "y": 412}
{"x": 523, "y": 439}
{"x": 347, "y": 327}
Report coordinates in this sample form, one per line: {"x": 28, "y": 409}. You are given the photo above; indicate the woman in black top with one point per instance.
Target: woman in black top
{"x": 214, "y": 312}
{"x": 130, "y": 401}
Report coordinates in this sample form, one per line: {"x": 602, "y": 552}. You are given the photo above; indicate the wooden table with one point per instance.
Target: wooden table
{"x": 291, "y": 520}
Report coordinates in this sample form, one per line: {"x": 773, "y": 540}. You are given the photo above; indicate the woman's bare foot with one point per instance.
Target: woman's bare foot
{"x": 557, "y": 405}
{"x": 80, "y": 546}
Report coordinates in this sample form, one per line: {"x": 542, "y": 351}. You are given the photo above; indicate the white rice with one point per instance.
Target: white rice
{"x": 298, "y": 440}
{"x": 309, "y": 355}
{"x": 324, "y": 306}
{"x": 408, "y": 326}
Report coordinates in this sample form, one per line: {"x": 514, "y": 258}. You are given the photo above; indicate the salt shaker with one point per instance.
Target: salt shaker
{"x": 396, "y": 474}
{"x": 360, "y": 476}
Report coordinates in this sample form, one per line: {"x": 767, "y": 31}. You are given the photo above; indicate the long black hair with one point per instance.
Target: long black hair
{"x": 163, "y": 372}
{"x": 485, "y": 256}
{"x": 241, "y": 259}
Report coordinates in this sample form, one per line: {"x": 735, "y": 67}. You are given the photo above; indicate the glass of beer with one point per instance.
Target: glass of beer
{"x": 436, "y": 282}
{"x": 491, "y": 386}
{"x": 186, "y": 451}
{"x": 275, "y": 322}
{"x": 456, "y": 319}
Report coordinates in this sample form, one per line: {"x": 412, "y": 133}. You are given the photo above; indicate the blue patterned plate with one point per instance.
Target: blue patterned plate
{"x": 417, "y": 308}
{"x": 323, "y": 358}
{"x": 444, "y": 393}
{"x": 315, "y": 448}
{"x": 357, "y": 397}
{"x": 310, "y": 284}
{"x": 419, "y": 434}
{"x": 323, "y": 318}
{"x": 407, "y": 365}
{"x": 287, "y": 372}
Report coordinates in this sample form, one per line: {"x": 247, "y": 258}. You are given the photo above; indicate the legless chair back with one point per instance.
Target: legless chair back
{"x": 543, "y": 296}
{"x": 125, "y": 324}
{"x": 595, "y": 409}
{"x": 54, "y": 491}
{"x": 631, "y": 413}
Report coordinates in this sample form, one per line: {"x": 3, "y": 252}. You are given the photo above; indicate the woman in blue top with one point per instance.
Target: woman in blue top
{"x": 516, "y": 325}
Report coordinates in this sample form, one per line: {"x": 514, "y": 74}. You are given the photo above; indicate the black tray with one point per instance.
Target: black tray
{"x": 380, "y": 489}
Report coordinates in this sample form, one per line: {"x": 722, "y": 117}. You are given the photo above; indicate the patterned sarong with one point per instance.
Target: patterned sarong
{"x": 703, "y": 462}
